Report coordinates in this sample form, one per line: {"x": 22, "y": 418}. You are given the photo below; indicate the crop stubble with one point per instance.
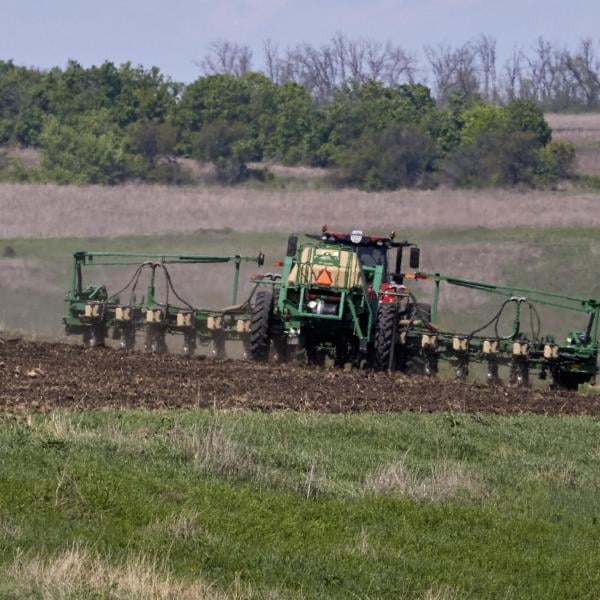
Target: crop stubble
{"x": 38, "y": 376}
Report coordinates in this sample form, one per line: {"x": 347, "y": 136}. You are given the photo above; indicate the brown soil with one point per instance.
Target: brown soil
{"x": 44, "y": 376}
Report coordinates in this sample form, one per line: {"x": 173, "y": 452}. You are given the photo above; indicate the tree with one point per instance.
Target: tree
{"x": 228, "y": 146}
{"x": 92, "y": 151}
{"x": 399, "y": 156}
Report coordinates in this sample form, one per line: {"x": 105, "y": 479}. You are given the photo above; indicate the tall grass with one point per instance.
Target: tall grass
{"x": 46, "y": 211}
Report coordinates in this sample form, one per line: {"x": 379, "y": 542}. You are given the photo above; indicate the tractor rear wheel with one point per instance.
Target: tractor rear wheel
{"x": 387, "y": 316}
{"x": 260, "y": 335}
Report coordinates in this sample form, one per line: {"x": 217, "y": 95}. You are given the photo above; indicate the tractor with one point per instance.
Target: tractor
{"x": 332, "y": 298}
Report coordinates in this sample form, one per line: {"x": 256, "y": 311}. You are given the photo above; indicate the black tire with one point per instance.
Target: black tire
{"x": 387, "y": 315}
{"x": 260, "y": 335}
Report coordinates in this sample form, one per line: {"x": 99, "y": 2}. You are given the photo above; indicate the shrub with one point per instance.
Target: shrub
{"x": 229, "y": 147}
{"x": 496, "y": 157}
{"x": 555, "y": 161}
{"x": 397, "y": 157}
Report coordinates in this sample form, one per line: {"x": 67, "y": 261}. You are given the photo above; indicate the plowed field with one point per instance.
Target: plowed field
{"x": 43, "y": 376}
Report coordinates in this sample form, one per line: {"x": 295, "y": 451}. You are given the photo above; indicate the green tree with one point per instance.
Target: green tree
{"x": 400, "y": 156}
{"x": 555, "y": 161}
{"x": 527, "y": 116}
{"x": 228, "y": 146}
{"x": 92, "y": 151}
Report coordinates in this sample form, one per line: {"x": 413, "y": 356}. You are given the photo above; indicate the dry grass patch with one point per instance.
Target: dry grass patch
{"x": 9, "y": 529}
{"x": 579, "y": 129}
{"x": 446, "y": 481}
{"x": 79, "y": 573}
{"x": 214, "y": 450}
{"x": 562, "y": 474}
{"x": 68, "y": 428}
{"x": 442, "y": 593}
{"x": 181, "y": 526}
{"x": 89, "y": 211}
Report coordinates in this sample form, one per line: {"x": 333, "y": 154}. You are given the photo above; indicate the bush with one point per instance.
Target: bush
{"x": 505, "y": 146}
{"x": 496, "y": 157}
{"x": 151, "y": 152}
{"x": 555, "y": 161}
{"x": 527, "y": 116}
{"x": 397, "y": 157}
{"x": 229, "y": 147}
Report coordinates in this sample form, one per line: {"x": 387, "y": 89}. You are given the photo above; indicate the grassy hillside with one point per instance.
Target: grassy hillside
{"x": 196, "y": 504}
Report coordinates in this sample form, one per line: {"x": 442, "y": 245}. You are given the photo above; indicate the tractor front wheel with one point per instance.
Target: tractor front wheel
{"x": 387, "y": 316}
{"x": 260, "y": 337}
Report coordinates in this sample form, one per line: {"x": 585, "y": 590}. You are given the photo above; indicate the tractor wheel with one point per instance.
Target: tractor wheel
{"x": 260, "y": 335}
{"x": 384, "y": 336}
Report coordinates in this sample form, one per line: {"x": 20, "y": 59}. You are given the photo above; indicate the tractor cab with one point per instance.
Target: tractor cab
{"x": 372, "y": 251}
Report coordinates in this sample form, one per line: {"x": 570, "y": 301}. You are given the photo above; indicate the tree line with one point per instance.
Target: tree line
{"x": 550, "y": 74}
{"x": 353, "y": 107}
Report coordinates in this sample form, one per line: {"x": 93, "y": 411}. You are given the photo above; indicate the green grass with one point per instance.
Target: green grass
{"x": 370, "y": 506}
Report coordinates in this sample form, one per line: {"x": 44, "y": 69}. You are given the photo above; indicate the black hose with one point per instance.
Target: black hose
{"x": 535, "y": 332}
{"x": 136, "y": 274}
{"x": 172, "y": 287}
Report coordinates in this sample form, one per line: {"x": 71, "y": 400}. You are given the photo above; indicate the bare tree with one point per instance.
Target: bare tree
{"x": 554, "y": 77}
{"x": 485, "y": 49}
{"x": 227, "y": 58}
{"x": 453, "y": 70}
{"x": 583, "y": 67}
{"x": 544, "y": 69}
{"x": 513, "y": 76}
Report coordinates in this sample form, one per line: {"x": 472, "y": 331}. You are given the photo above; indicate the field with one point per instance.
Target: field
{"x": 44, "y": 377}
{"x": 202, "y": 498}
{"x": 140, "y": 476}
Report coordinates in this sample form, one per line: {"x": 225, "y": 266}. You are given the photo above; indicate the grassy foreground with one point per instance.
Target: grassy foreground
{"x": 185, "y": 504}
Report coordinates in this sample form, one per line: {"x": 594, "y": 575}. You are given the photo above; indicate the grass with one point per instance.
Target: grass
{"x": 52, "y": 211}
{"x": 198, "y": 504}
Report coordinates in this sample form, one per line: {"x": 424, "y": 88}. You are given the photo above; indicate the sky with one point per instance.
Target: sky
{"x": 175, "y": 34}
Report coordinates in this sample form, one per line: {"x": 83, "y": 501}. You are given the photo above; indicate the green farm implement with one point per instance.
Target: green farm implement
{"x": 339, "y": 297}
{"x": 95, "y": 313}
